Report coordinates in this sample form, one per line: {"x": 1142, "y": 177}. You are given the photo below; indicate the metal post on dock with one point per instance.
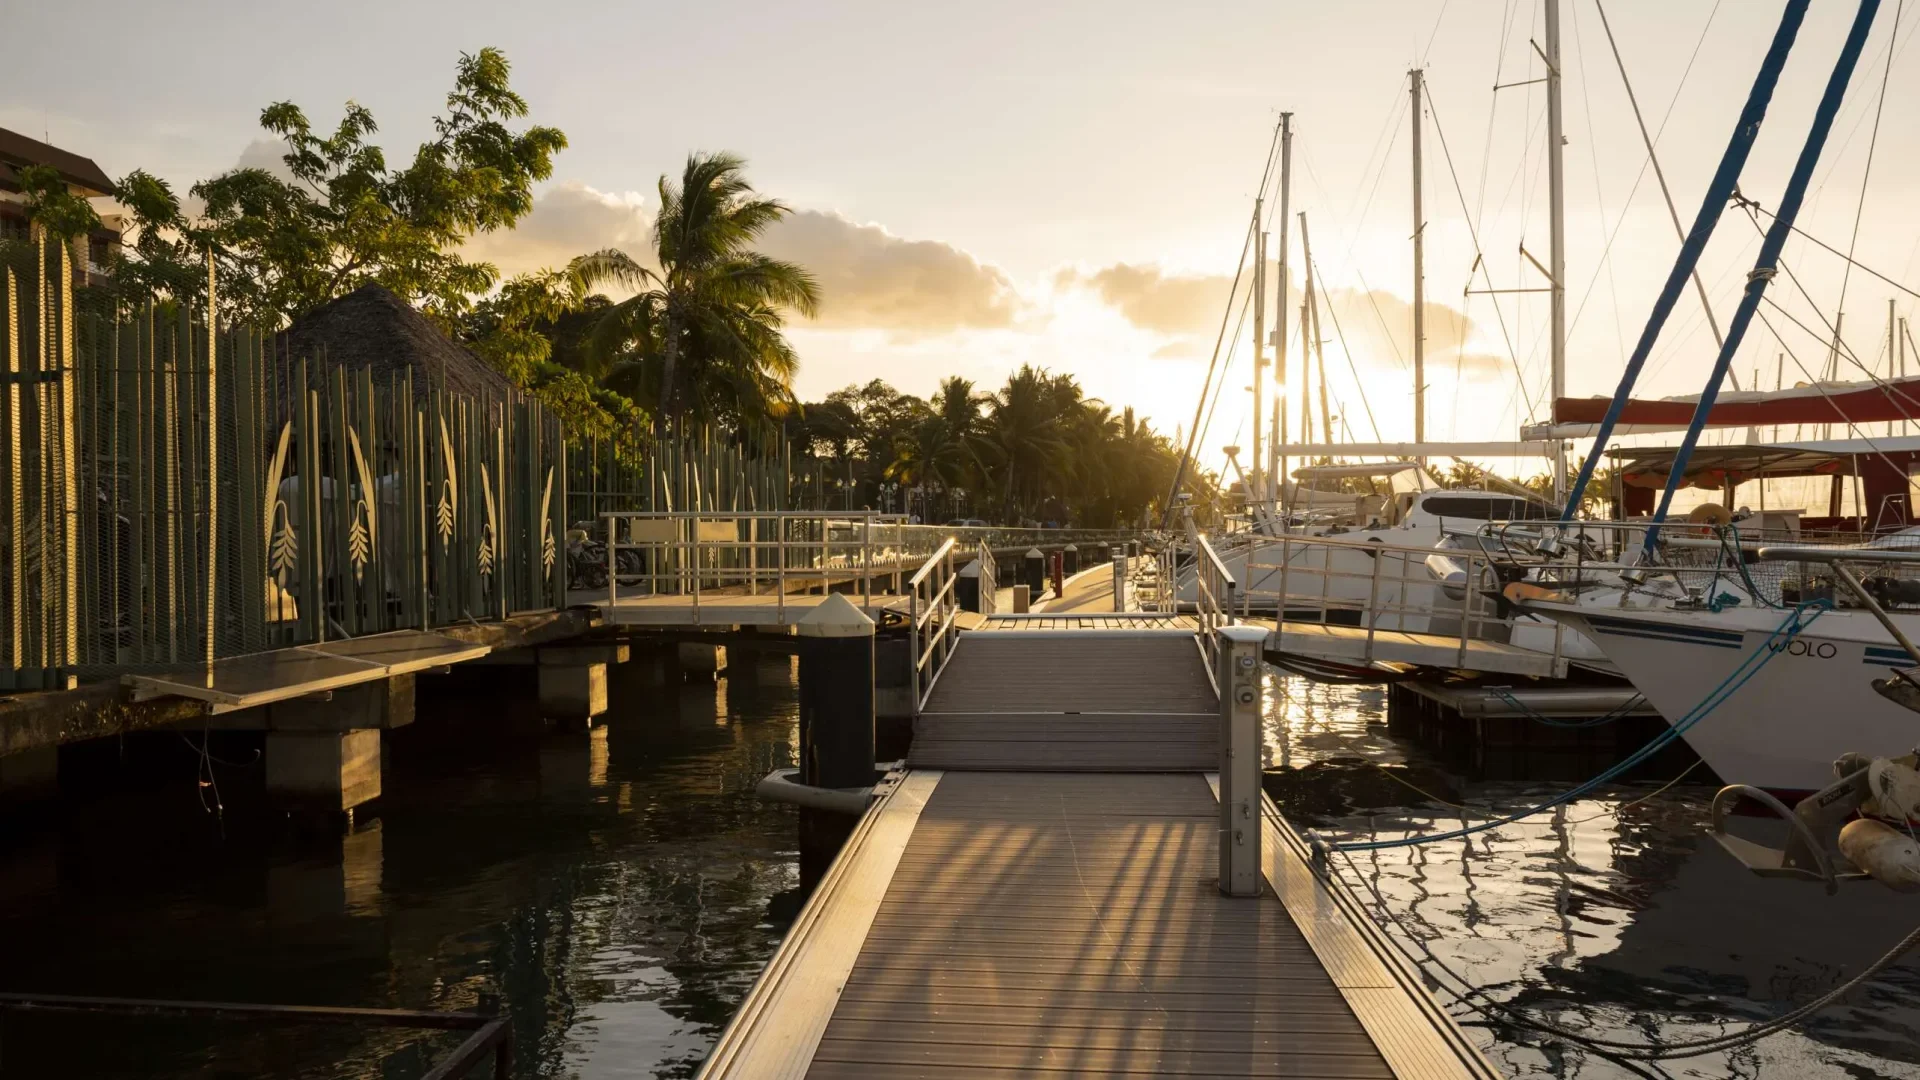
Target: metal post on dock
{"x": 1238, "y": 678}
{"x": 1120, "y": 581}
{"x": 836, "y": 721}
{"x": 1035, "y": 574}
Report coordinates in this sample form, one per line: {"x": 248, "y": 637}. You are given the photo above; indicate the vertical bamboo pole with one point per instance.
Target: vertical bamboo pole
{"x": 16, "y": 494}
{"x": 213, "y": 473}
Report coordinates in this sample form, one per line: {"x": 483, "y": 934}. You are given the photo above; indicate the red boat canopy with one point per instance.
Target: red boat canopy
{"x": 1825, "y": 403}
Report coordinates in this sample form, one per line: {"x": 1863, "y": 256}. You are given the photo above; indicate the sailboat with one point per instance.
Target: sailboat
{"x": 1774, "y": 687}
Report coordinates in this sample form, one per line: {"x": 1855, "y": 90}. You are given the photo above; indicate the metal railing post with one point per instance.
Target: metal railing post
{"x": 1237, "y": 673}
{"x": 613, "y": 580}
{"x": 1373, "y": 599}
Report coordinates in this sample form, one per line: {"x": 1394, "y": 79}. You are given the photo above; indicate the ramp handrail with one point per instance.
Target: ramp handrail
{"x": 689, "y": 552}
{"x": 989, "y": 577}
{"x": 1213, "y": 591}
{"x": 932, "y": 604}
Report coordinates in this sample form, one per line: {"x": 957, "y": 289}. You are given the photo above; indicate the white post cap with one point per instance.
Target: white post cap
{"x": 1243, "y": 634}
{"x": 835, "y": 617}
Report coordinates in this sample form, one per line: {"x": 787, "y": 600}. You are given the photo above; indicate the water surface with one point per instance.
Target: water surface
{"x": 619, "y": 890}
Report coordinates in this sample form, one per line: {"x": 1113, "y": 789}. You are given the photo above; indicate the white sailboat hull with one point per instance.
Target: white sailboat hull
{"x": 1784, "y": 727}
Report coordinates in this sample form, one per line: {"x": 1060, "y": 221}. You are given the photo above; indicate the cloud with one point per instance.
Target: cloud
{"x": 1377, "y": 325}
{"x": 871, "y": 279}
{"x": 267, "y": 154}
{"x": 1154, "y": 300}
{"x": 567, "y": 219}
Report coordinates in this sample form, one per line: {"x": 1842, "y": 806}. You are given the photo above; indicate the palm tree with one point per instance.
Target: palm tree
{"x": 1024, "y": 431}
{"x": 711, "y": 315}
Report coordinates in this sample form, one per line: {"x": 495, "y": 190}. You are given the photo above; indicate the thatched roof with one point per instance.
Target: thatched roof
{"x": 372, "y": 328}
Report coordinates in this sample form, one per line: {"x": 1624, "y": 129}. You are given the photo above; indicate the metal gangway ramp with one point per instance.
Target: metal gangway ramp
{"x": 1040, "y": 892}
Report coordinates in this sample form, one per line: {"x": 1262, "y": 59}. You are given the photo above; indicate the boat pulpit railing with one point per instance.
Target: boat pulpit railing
{"x": 932, "y": 630}
{"x": 1840, "y": 561}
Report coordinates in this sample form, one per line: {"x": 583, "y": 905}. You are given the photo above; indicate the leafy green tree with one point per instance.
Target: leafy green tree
{"x": 700, "y": 337}
{"x": 50, "y": 205}
{"x": 346, "y": 218}
{"x": 167, "y": 258}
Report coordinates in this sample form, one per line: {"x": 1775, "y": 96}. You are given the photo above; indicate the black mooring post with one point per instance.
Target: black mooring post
{"x": 1070, "y": 559}
{"x": 966, "y": 587}
{"x": 1035, "y": 573}
{"x": 836, "y": 723}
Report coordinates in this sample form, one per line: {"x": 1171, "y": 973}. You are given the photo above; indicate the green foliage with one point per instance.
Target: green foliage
{"x": 64, "y": 215}
{"x": 167, "y": 258}
{"x": 1038, "y": 449}
{"x": 346, "y": 218}
{"x": 514, "y": 331}
{"x": 700, "y": 338}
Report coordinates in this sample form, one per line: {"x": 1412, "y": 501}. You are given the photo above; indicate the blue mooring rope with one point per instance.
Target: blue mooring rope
{"x": 1791, "y": 627}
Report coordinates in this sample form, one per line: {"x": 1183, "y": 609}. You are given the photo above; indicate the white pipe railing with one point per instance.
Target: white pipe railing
{"x": 932, "y": 630}
{"x": 1378, "y": 587}
{"x": 1214, "y": 593}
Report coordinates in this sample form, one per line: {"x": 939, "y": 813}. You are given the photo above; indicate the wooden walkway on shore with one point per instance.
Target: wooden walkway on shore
{"x": 1038, "y": 894}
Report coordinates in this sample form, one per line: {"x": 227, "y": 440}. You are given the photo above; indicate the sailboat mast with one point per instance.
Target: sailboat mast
{"x": 1419, "y": 276}
{"x": 1557, "y": 232}
{"x": 1277, "y": 473}
{"x": 1259, "y": 343}
{"x": 1319, "y": 341}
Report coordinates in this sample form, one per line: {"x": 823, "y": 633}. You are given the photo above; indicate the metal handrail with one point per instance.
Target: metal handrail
{"x": 989, "y": 579}
{"x": 935, "y": 614}
{"x": 1398, "y": 592}
{"x": 1214, "y": 591}
{"x": 491, "y": 1041}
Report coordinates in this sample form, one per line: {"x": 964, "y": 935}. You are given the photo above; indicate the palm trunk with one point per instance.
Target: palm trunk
{"x": 667, "y": 364}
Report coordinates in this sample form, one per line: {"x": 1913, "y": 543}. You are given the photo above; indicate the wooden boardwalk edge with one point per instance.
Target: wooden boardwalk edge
{"x": 1411, "y": 1029}
{"x": 778, "y": 1026}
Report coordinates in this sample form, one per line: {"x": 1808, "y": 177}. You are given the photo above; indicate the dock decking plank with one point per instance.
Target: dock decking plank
{"x": 1126, "y": 863}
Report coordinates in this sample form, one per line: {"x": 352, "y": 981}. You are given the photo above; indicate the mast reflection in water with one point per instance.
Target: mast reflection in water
{"x": 1614, "y": 916}
{"x": 620, "y": 890}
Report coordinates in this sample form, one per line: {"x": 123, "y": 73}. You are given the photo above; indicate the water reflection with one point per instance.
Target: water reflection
{"x": 613, "y": 887}
{"x": 1614, "y": 916}
{"x": 619, "y": 889}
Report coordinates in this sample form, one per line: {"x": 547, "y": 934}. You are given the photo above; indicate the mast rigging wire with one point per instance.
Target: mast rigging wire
{"x": 1479, "y": 256}
{"x": 1873, "y": 141}
{"x": 1338, "y": 333}
{"x": 1186, "y": 456}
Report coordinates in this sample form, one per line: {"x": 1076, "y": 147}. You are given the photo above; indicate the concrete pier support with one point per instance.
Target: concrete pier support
{"x": 326, "y": 772}
{"x": 701, "y": 661}
{"x": 573, "y": 693}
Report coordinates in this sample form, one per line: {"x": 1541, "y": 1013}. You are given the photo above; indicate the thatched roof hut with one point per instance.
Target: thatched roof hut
{"x": 372, "y": 328}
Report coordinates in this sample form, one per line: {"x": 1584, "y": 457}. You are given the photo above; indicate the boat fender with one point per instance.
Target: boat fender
{"x": 1889, "y": 856}
{"x": 1895, "y": 787}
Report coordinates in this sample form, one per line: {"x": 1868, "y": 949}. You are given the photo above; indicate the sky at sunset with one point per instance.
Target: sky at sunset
{"x": 1068, "y": 184}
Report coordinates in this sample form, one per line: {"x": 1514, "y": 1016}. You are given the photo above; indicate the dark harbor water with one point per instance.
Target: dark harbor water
{"x": 618, "y": 891}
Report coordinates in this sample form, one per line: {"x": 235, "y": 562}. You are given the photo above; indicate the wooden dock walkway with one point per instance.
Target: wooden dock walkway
{"x": 1039, "y": 894}
{"x": 1361, "y": 645}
